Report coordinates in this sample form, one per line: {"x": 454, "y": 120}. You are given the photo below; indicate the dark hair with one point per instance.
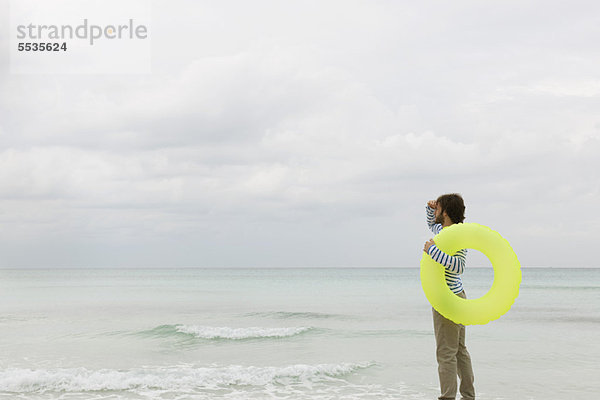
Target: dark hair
{"x": 454, "y": 206}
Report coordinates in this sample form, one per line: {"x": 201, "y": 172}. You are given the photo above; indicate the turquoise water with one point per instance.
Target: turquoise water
{"x": 283, "y": 333}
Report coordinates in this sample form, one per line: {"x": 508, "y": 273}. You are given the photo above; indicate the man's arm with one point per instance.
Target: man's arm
{"x": 435, "y": 228}
{"x": 455, "y": 263}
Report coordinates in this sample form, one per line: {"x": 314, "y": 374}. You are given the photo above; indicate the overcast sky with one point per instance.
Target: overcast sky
{"x": 310, "y": 133}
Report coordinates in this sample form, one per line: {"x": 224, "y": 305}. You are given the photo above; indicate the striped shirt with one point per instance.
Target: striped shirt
{"x": 455, "y": 264}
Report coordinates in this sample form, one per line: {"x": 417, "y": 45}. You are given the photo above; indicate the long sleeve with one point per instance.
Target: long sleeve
{"x": 455, "y": 263}
{"x": 435, "y": 228}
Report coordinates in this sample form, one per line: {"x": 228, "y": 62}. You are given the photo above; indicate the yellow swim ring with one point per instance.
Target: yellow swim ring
{"x": 507, "y": 275}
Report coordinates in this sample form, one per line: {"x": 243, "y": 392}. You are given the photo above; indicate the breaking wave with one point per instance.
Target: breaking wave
{"x": 182, "y": 380}
{"x": 226, "y": 333}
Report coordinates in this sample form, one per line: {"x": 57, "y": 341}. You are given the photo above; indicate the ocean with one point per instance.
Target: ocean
{"x": 314, "y": 333}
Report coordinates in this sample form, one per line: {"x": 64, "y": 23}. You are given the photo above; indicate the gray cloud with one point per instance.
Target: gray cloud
{"x": 292, "y": 137}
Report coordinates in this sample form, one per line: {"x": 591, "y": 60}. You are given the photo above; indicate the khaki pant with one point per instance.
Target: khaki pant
{"x": 452, "y": 357}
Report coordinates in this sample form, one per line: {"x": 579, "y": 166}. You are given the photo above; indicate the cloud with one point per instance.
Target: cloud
{"x": 310, "y": 147}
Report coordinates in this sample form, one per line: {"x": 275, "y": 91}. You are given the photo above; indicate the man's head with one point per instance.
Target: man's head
{"x": 452, "y": 206}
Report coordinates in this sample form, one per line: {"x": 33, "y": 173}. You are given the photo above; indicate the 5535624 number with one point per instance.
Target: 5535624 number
{"x": 42, "y": 46}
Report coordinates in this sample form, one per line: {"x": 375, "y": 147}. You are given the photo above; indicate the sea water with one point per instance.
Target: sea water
{"x": 339, "y": 333}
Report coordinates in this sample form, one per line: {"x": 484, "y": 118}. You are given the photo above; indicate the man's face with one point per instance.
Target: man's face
{"x": 439, "y": 218}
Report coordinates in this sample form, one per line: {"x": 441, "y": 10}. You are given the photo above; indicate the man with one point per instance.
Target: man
{"x": 451, "y": 352}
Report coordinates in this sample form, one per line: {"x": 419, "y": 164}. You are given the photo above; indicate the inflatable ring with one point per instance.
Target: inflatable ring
{"x": 507, "y": 275}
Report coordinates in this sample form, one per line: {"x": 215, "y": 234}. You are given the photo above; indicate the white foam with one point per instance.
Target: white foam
{"x": 183, "y": 378}
{"x": 212, "y": 332}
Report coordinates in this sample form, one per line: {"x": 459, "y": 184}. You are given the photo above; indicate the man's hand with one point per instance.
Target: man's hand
{"x": 428, "y": 245}
{"x": 432, "y": 204}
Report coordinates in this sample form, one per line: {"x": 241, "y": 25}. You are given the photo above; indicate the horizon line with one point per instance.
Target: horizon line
{"x": 271, "y": 267}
